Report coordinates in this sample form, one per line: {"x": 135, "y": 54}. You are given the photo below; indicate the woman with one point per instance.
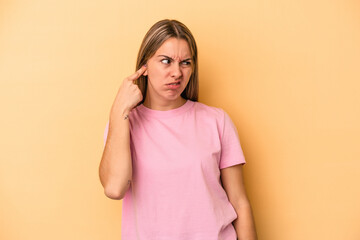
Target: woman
{"x": 175, "y": 162}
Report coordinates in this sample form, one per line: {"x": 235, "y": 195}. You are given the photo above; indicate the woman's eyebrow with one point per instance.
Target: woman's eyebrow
{"x": 173, "y": 59}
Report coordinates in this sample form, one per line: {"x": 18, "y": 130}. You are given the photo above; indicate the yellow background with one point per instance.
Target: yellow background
{"x": 287, "y": 72}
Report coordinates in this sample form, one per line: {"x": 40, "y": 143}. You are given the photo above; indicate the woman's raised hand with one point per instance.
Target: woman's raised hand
{"x": 128, "y": 96}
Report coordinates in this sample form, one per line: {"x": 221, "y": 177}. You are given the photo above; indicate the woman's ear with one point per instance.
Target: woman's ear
{"x": 145, "y": 73}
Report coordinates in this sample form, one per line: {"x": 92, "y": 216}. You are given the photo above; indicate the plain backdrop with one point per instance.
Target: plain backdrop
{"x": 286, "y": 71}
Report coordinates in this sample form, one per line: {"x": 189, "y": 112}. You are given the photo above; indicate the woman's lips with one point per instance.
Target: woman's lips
{"x": 174, "y": 85}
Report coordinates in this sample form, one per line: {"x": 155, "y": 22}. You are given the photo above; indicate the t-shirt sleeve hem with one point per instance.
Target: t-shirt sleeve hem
{"x": 232, "y": 164}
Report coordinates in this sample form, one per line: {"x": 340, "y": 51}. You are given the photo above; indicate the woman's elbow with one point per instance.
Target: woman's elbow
{"x": 115, "y": 194}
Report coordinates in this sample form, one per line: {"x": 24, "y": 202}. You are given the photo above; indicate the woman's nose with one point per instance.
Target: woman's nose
{"x": 176, "y": 70}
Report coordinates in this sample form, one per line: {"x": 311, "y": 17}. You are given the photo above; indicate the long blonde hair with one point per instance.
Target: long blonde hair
{"x": 154, "y": 38}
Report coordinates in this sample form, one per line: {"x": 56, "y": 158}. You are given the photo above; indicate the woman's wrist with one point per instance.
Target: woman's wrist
{"x": 120, "y": 114}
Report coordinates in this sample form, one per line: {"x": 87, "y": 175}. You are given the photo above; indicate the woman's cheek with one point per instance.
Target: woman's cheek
{"x": 188, "y": 73}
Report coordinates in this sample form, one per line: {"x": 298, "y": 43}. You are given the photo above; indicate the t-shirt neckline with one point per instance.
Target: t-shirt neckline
{"x": 167, "y": 113}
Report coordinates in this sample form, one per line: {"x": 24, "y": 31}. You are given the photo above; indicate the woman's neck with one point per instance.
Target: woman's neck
{"x": 163, "y": 105}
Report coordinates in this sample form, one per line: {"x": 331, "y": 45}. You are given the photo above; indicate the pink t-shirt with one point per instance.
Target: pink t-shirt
{"x": 176, "y": 192}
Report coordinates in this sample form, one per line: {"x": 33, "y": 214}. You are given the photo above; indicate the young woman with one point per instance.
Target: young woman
{"x": 175, "y": 162}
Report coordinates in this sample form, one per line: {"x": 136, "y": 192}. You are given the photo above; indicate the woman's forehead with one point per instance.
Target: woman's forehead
{"x": 174, "y": 48}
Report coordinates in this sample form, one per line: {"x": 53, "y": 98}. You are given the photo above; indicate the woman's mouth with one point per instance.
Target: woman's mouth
{"x": 173, "y": 85}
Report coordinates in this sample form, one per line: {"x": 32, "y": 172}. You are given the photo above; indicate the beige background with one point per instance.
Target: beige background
{"x": 287, "y": 72}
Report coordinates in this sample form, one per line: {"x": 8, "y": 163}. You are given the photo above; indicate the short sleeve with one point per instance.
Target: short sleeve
{"x": 231, "y": 151}
{"x": 106, "y": 131}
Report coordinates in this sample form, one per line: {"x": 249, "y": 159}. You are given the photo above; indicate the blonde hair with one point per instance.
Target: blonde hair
{"x": 154, "y": 38}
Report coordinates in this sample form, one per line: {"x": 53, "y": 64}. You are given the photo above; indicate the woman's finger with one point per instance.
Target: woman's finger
{"x": 137, "y": 74}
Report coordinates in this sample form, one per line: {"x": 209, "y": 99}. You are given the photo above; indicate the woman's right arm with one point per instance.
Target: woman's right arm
{"x": 115, "y": 169}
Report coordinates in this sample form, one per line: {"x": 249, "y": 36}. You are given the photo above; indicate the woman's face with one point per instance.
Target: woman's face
{"x": 169, "y": 70}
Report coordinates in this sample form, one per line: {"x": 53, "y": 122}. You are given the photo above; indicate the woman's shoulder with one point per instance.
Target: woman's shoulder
{"x": 209, "y": 110}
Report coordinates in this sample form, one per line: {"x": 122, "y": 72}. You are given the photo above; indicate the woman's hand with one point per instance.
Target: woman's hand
{"x": 128, "y": 96}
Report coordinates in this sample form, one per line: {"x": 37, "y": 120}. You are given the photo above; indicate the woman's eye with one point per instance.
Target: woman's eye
{"x": 166, "y": 61}
{"x": 186, "y": 63}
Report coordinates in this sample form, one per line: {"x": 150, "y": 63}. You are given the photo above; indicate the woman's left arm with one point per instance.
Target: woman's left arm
{"x": 232, "y": 181}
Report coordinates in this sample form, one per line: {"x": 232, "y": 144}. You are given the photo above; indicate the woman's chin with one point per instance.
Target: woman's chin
{"x": 172, "y": 96}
